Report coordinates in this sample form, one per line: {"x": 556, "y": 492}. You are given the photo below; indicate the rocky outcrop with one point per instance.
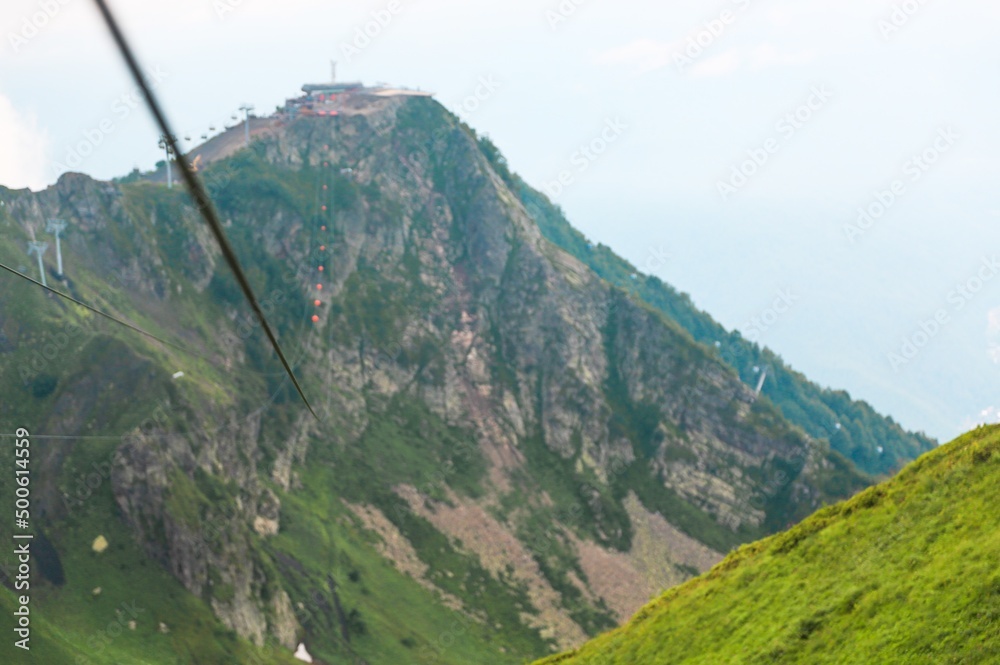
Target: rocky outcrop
{"x": 194, "y": 501}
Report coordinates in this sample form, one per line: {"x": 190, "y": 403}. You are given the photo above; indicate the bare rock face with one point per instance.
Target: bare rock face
{"x": 200, "y": 496}
{"x": 268, "y": 511}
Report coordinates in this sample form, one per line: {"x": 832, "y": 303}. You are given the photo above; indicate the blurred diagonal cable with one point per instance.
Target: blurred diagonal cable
{"x": 197, "y": 191}
{"x": 99, "y": 312}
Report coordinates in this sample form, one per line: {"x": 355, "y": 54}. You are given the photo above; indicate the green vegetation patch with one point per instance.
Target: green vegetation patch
{"x": 903, "y": 573}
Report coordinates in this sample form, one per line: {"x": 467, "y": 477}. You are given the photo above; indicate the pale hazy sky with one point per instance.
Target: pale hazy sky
{"x": 874, "y": 83}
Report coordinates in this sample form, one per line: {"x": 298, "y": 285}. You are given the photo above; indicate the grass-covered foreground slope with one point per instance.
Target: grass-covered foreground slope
{"x": 905, "y": 572}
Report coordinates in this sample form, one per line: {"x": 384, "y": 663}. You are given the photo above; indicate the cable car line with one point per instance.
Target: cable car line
{"x": 100, "y": 313}
{"x": 197, "y": 191}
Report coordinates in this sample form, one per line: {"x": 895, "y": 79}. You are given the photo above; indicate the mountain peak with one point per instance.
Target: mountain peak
{"x": 533, "y": 445}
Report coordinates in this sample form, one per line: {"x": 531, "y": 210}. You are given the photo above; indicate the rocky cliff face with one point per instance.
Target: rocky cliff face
{"x": 534, "y": 451}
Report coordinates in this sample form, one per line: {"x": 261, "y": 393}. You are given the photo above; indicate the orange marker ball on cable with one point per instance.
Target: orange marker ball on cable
{"x": 315, "y": 319}
{"x": 321, "y": 268}
{"x": 318, "y": 303}
{"x": 319, "y": 287}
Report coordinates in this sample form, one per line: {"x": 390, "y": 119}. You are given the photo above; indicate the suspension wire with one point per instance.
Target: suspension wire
{"x": 197, "y": 191}
{"x": 68, "y": 437}
{"x": 104, "y": 314}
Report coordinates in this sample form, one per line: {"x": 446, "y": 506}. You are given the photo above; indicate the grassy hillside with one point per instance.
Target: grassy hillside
{"x": 905, "y": 572}
{"x": 504, "y": 439}
{"x": 351, "y": 603}
{"x": 875, "y": 443}
{"x": 116, "y": 606}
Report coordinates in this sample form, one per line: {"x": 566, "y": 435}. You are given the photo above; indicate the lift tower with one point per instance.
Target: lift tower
{"x": 246, "y": 108}
{"x": 56, "y": 227}
{"x": 165, "y": 145}
{"x": 36, "y": 247}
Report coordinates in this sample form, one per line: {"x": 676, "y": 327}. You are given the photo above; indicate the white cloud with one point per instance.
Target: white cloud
{"x": 759, "y": 58}
{"x": 24, "y": 148}
{"x": 719, "y": 65}
{"x": 768, "y": 55}
{"x": 644, "y": 55}
{"x": 647, "y": 55}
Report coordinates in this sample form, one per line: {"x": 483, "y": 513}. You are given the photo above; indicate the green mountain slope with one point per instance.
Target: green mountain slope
{"x": 875, "y": 443}
{"x": 905, "y": 572}
{"x": 513, "y": 454}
